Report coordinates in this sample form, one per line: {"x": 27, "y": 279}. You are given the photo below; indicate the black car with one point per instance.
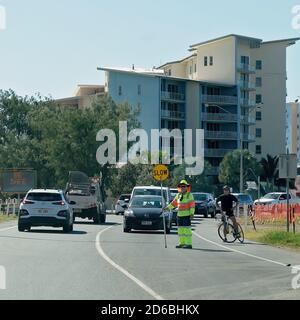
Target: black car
{"x": 145, "y": 213}
{"x": 204, "y": 204}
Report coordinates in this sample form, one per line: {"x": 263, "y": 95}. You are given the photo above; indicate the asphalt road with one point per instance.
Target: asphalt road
{"x": 102, "y": 262}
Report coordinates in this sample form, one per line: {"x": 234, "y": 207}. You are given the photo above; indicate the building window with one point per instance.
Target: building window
{"x": 258, "y": 133}
{"x": 258, "y": 98}
{"x": 258, "y": 116}
{"x": 258, "y": 149}
{"x": 139, "y": 89}
{"x": 211, "y": 61}
{"x": 195, "y": 68}
{"x": 120, "y": 90}
{"x": 191, "y": 70}
{"x": 258, "y": 82}
{"x": 245, "y": 60}
{"x": 205, "y": 61}
{"x": 258, "y": 64}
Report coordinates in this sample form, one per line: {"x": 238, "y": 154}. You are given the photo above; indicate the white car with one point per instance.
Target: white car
{"x": 276, "y": 198}
{"x": 45, "y": 207}
{"x": 123, "y": 199}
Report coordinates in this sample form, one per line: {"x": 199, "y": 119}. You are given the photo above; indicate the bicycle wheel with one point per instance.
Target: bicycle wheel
{"x": 241, "y": 237}
{"x": 229, "y": 232}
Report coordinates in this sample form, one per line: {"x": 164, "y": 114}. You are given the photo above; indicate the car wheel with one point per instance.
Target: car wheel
{"x": 206, "y": 213}
{"x": 21, "y": 229}
{"x": 66, "y": 228}
{"x": 168, "y": 230}
{"x": 28, "y": 229}
{"x": 102, "y": 218}
{"x": 213, "y": 214}
{"x": 71, "y": 227}
{"x": 126, "y": 230}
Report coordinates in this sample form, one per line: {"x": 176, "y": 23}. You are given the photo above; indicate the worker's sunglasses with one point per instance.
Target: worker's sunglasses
{"x": 183, "y": 186}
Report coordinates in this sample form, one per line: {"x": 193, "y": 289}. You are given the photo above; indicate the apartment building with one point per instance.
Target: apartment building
{"x": 173, "y": 102}
{"x": 293, "y": 128}
{"x": 83, "y": 96}
{"x": 258, "y": 68}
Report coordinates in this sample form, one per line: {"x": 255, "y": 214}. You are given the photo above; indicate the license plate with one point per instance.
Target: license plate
{"x": 77, "y": 210}
{"x": 146, "y": 223}
{"x": 43, "y": 211}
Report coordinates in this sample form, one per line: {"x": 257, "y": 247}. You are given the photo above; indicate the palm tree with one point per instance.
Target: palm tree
{"x": 270, "y": 170}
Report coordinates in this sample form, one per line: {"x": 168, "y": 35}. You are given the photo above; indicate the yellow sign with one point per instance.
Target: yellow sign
{"x": 160, "y": 172}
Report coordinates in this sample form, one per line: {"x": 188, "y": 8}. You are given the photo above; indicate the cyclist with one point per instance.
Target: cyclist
{"x": 227, "y": 199}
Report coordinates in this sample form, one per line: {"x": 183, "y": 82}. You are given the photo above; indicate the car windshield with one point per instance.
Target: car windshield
{"x": 146, "y": 202}
{"x": 244, "y": 198}
{"x": 149, "y": 192}
{"x": 271, "y": 196}
{"x": 43, "y": 196}
{"x": 124, "y": 196}
{"x": 200, "y": 197}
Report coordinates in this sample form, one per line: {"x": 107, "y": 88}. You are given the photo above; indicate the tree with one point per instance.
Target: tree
{"x": 270, "y": 170}
{"x": 230, "y": 168}
{"x": 199, "y": 183}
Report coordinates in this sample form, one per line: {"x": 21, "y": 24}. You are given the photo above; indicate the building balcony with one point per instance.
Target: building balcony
{"x": 221, "y": 135}
{"x": 212, "y": 99}
{"x": 165, "y": 95}
{"x": 246, "y": 68}
{"x": 216, "y": 153}
{"x": 220, "y": 117}
{"x": 248, "y": 120}
{"x": 247, "y": 85}
{"x": 177, "y": 115}
{"x": 248, "y": 137}
{"x": 247, "y": 103}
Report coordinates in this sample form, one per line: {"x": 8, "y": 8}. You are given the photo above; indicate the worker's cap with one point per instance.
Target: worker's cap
{"x": 183, "y": 183}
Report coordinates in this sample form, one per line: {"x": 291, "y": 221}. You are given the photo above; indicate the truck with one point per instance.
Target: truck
{"x": 86, "y": 196}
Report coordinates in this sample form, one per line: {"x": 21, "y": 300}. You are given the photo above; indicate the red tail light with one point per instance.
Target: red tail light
{"x": 27, "y": 202}
{"x": 59, "y": 203}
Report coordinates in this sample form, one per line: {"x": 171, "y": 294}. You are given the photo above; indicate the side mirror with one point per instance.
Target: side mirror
{"x": 125, "y": 205}
{"x": 72, "y": 202}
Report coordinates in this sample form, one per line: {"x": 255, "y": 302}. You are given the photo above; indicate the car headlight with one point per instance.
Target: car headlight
{"x": 128, "y": 213}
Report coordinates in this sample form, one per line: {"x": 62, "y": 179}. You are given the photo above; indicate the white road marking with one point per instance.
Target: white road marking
{"x": 242, "y": 252}
{"x": 122, "y": 270}
{"x": 5, "y": 229}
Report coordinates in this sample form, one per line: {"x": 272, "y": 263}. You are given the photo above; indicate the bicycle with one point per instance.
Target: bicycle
{"x": 231, "y": 235}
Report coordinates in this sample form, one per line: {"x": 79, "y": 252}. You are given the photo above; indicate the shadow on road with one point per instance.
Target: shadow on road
{"x": 74, "y": 232}
{"x": 100, "y": 224}
{"x": 209, "y": 250}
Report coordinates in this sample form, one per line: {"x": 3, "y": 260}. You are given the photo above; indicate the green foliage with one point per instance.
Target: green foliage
{"x": 38, "y": 134}
{"x": 230, "y": 168}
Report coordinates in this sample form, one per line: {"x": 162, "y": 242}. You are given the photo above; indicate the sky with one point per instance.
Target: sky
{"x": 49, "y": 47}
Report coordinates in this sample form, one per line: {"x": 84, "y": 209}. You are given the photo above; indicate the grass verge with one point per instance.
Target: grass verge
{"x": 280, "y": 239}
{"x": 5, "y": 218}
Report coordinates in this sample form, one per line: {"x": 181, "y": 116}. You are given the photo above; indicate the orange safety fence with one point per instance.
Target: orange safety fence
{"x": 275, "y": 213}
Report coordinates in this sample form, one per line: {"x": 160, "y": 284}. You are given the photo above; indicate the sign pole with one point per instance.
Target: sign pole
{"x": 288, "y": 194}
{"x": 161, "y": 173}
{"x": 164, "y": 218}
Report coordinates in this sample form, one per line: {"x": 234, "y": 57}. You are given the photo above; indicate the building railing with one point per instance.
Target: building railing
{"x": 226, "y": 117}
{"x": 247, "y": 103}
{"x": 216, "y": 153}
{"x": 173, "y": 114}
{"x": 246, "y": 85}
{"x": 231, "y": 135}
{"x": 248, "y": 120}
{"x": 172, "y": 96}
{"x": 246, "y": 67}
{"x": 219, "y": 99}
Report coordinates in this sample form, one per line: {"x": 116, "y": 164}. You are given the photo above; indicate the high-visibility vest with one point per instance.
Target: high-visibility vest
{"x": 186, "y": 205}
